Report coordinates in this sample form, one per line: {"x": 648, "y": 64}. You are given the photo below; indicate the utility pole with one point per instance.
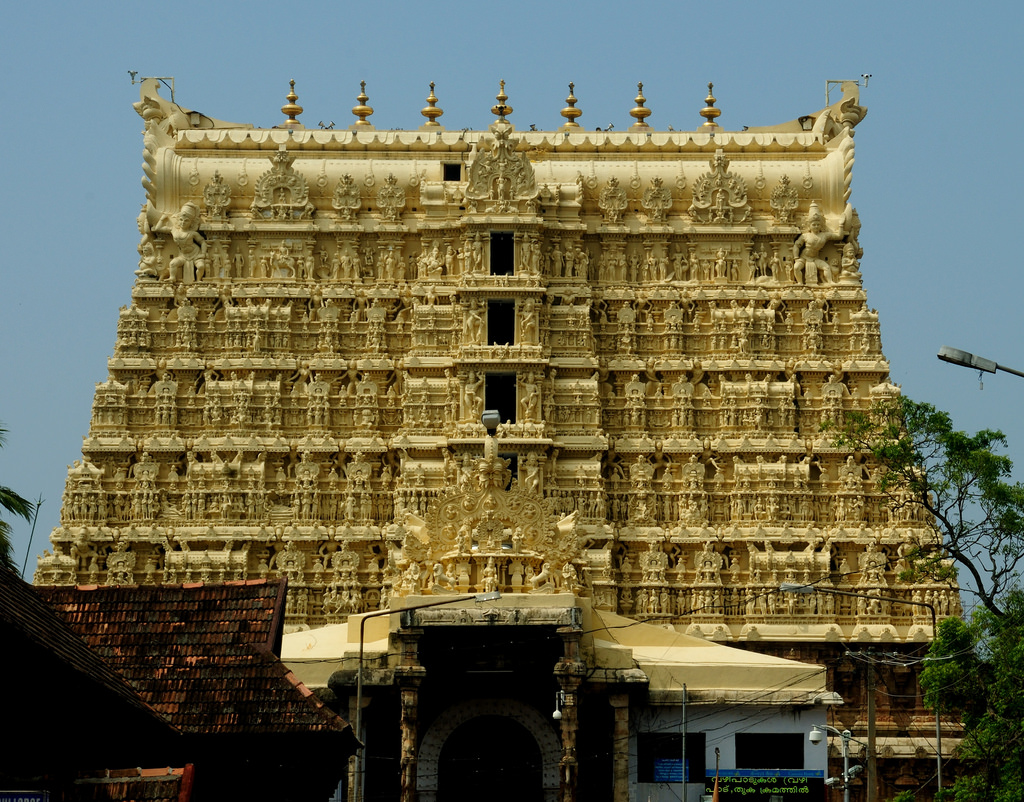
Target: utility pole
{"x": 872, "y": 772}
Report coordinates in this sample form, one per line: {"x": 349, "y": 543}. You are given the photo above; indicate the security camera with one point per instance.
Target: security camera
{"x": 833, "y": 781}
{"x": 816, "y": 736}
{"x": 854, "y": 771}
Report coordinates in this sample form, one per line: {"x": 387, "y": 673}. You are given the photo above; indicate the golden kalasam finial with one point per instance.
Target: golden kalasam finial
{"x": 709, "y": 112}
{"x": 639, "y": 112}
{"x": 431, "y": 111}
{"x": 291, "y": 109}
{"x": 570, "y": 112}
{"x": 501, "y": 109}
{"x": 362, "y": 111}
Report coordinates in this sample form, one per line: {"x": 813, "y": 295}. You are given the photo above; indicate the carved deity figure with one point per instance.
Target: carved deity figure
{"x": 190, "y": 263}
{"x": 808, "y": 246}
{"x": 148, "y": 262}
{"x": 528, "y": 321}
{"x": 530, "y": 401}
{"x": 850, "y": 264}
{"x": 475, "y": 326}
{"x": 442, "y": 581}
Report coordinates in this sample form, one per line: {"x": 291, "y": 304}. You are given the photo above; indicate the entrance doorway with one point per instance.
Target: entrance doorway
{"x": 490, "y": 757}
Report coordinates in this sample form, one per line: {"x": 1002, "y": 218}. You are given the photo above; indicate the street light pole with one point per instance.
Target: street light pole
{"x": 968, "y": 360}
{"x": 479, "y": 597}
{"x": 790, "y": 587}
{"x": 845, "y": 735}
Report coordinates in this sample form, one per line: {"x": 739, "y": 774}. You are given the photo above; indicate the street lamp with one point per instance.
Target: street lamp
{"x": 479, "y": 597}
{"x": 792, "y": 587}
{"x": 816, "y": 735}
{"x": 957, "y": 357}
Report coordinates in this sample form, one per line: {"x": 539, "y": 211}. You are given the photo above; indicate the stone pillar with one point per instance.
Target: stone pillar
{"x": 620, "y": 747}
{"x": 569, "y": 672}
{"x": 409, "y": 675}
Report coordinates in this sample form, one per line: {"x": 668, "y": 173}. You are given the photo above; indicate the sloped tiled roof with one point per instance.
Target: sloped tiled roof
{"x": 25, "y": 615}
{"x": 201, "y": 655}
{"x": 132, "y": 785}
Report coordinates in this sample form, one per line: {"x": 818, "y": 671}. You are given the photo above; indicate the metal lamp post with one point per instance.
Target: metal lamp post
{"x": 789, "y": 587}
{"x": 846, "y": 737}
{"x": 480, "y": 597}
{"x": 968, "y": 360}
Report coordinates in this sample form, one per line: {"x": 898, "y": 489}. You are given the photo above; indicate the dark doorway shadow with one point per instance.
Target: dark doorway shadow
{"x": 490, "y": 758}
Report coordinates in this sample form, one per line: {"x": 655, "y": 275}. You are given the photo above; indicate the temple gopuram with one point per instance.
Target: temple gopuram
{"x": 663, "y": 322}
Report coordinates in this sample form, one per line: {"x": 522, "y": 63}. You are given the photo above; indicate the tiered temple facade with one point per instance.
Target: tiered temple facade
{"x": 663, "y": 321}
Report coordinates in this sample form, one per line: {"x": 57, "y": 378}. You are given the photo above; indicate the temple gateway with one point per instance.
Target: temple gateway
{"x": 658, "y": 324}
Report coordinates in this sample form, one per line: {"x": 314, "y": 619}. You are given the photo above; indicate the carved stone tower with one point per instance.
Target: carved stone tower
{"x": 663, "y": 320}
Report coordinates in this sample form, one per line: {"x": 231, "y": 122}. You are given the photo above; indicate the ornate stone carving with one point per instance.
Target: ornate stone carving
{"x": 217, "y": 198}
{"x": 390, "y": 200}
{"x": 281, "y": 193}
{"x": 149, "y": 262}
{"x": 346, "y": 198}
{"x": 301, "y": 413}
{"x": 612, "y": 201}
{"x": 480, "y": 535}
{"x": 784, "y": 201}
{"x": 808, "y": 265}
{"x": 656, "y": 200}
{"x": 719, "y": 196}
{"x": 501, "y": 178}
{"x": 189, "y": 265}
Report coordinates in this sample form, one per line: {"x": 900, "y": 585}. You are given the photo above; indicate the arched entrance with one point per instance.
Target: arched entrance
{"x": 492, "y": 758}
{"x": 495, "y": 749}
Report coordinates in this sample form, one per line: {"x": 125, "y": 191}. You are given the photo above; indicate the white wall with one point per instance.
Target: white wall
{"x": 720, "y": 724}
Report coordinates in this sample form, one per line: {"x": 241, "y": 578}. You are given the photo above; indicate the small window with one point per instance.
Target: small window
{"x": 757, "y": 750}
{"x": 500, "y": 394}
{"x": 501, "y": 322}
{"x": 452, "y": 172}
{"x": 502, "y": 253}
{"x": 660, "y": 757}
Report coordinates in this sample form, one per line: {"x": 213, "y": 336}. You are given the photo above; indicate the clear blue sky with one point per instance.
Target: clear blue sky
{"x": 939, "y": 160}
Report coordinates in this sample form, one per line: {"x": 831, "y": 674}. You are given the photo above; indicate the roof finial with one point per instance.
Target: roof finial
{"x": 709, "y": 112}
{"x": 501, "y": 109}
{"x": 639, "y": 112}
{"x": 570, "y": 112}
{"x": 291, "y": 109}
{"x": 431, "y": 111}
{"x": 362, "y": 111}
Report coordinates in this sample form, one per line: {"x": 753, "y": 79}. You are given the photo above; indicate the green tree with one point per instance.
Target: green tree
{"x": 16, "y": 505}
{"x": 957, "y": 482}
{"x": 976, "y": 673}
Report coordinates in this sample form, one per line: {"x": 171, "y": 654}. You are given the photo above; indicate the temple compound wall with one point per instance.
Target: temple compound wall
{"x": 663, "y": 320}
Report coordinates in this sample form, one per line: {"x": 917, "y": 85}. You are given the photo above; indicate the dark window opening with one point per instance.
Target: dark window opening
{"x": 452, "y": 172}
{"x": 502, "y": 253}
{"x": 756, "y": 750}
{"x": 500, "y": 394}
{"x": 501, "y": 322}
{"x": 660, "y": 757}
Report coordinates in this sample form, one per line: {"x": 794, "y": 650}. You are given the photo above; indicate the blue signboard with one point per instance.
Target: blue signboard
{"x": 24, "y": 796}
{"x": 669, "y": 770}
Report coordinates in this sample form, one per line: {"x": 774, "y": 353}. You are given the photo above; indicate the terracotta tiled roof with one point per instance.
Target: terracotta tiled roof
{"x": 201, "y": 655}
{"x": 132, "y": 785}
{"x": 24, "y": 615}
